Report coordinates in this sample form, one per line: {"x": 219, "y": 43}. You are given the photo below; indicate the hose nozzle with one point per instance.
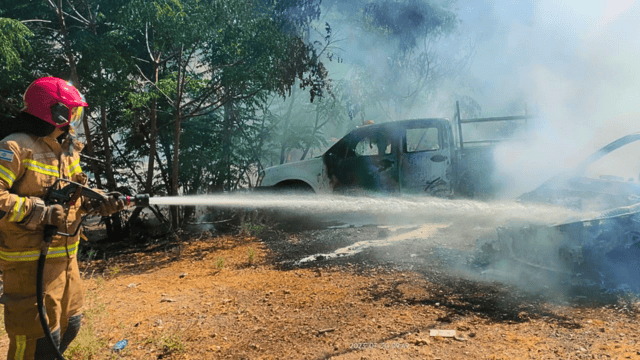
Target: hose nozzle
{"x": 139, "y": 200}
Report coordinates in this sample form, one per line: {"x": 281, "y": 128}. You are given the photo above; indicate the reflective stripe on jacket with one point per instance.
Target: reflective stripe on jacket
{"x": 29, "y": 166}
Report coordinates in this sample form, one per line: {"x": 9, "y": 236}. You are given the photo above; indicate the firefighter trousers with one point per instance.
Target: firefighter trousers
{"x": 62, "y": 299}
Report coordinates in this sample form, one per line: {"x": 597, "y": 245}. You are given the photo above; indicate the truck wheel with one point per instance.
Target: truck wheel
{"x": 294, "y": 188}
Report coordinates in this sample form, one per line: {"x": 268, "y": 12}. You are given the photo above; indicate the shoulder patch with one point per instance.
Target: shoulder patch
{"x": 6, "y": 155}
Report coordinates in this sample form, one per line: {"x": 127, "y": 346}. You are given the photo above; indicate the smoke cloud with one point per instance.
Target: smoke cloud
{"x": 575, "y": 64}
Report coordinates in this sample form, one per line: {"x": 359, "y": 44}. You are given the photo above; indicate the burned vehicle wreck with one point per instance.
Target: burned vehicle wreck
{"x": 408, "y": 156}
{"x": 418, "y": 156}
{"x": 380, "y": 157}
{"x": 600, "y": 250}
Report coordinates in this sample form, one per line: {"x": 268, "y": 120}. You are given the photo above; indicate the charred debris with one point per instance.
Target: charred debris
{"x": 600, "y": 251}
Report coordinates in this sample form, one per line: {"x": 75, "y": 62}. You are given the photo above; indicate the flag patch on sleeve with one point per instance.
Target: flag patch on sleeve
{"x": 6, "y": 155}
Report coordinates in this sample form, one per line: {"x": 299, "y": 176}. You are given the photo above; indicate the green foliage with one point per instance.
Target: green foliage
{"x": 245, "y": 80}
{"x": 89, "y": 255}
{"x": 172, "y": 9}
{"x": 420, "y": 55}
{"x": 113, "y": 270}
{"x": 13, "y": 41}
{"x": 210, "y": 64}
{"x": 220, "y": 263}
{"x": 229, "y": 49}
{"x": 168, "y": 343}
{"x": 252, "y": 229}
{"x": 251, "y": 254}
{"x": 172, "y": 343}
{"x": 299, "y": 124}
{"x": 409, "y": 21}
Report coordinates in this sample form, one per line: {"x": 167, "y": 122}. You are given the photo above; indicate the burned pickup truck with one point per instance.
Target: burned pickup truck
{"x": 422, "y": 156}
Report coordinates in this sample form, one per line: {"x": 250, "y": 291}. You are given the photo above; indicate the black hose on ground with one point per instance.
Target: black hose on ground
{"x": 49, "y": 232}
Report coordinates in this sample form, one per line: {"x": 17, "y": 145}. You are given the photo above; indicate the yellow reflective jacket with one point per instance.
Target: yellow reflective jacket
{"x": 29, "y": 166}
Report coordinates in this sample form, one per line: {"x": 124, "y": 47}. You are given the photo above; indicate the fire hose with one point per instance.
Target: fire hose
{"x": 67, "y": 196}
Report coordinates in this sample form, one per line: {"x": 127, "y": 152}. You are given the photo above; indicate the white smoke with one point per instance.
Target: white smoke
{"x": 578, "y": 64}
{"x": 573, "y": 63}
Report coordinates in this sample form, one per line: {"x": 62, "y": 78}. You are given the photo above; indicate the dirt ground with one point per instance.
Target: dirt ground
{"x": 220, "y": 296}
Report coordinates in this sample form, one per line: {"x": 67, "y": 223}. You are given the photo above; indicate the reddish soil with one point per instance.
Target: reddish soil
{"x": 226, "y": 297}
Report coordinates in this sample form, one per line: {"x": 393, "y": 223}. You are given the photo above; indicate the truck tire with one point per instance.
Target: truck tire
{"x": 294, "y": 187}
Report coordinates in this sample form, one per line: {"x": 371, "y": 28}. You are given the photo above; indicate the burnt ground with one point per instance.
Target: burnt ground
{"x": 207, "y": 295}
{"x": 445, "y": 252}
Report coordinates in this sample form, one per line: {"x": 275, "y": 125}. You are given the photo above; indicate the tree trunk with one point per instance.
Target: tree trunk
{"x": 190, "y": 211}
{"x": 111, "y": 180}
{"x": 75, "y": 80}
{"x": 287, "y": 120}
{"x": 153, "y": 136}
{"x": 226, "y": 144}
{"x": 315, "y": 129}
{"x": 114, "y": 219}
{"x": 153, "y": 141}
{"x": 175, "y": 220}
{"x": 73, "y": 76}
{"x": 175, "y": 214}
{"x": 165, "y": 140}
{"x": 163, "y": 171}
{"x": 94, "y": 165}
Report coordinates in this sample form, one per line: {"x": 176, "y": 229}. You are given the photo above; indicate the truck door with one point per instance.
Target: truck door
{"x": 370, "y": 162}
{"x": 426, "y": 160}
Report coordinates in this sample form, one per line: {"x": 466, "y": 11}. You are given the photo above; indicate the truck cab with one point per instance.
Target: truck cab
{"x": 409, "y": 156}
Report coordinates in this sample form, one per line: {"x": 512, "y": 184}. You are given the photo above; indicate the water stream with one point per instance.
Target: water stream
{"x": 419, "y": 208}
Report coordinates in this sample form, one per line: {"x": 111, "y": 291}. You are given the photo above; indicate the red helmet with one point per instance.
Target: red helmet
{"x": 55, "y": 101}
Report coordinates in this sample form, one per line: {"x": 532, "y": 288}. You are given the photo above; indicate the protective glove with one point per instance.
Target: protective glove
{"x": 54, "y": 215}
{"x": 111, "y": 205}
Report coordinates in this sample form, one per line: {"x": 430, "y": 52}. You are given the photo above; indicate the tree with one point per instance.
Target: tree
{"x": 158, "y": 72}
{"x": 394, "y": 64}
{"x": 407, "y": 55}
{"x": 298, "y": 124}
{"x": 223, "y": 55}
{"x": 13, "y": 43}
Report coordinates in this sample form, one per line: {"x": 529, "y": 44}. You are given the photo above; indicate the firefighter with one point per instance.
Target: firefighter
{"x": 39, "y": 147}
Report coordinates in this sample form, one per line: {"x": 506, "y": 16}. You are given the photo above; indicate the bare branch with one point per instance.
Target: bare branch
{"x": 223, "y": 101}
{"x": 171, "y": 102}
{"x": 92, "y": 18}
{"x": 146, "y": 38}
{"x": 85, "y": 21}
{"x": 35, "y": 20}
{"x": 202, "y": 98}
{"x": 133, "y": 170}
{"x": 52, "y": 6}
{"x": 143, "y": 60}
